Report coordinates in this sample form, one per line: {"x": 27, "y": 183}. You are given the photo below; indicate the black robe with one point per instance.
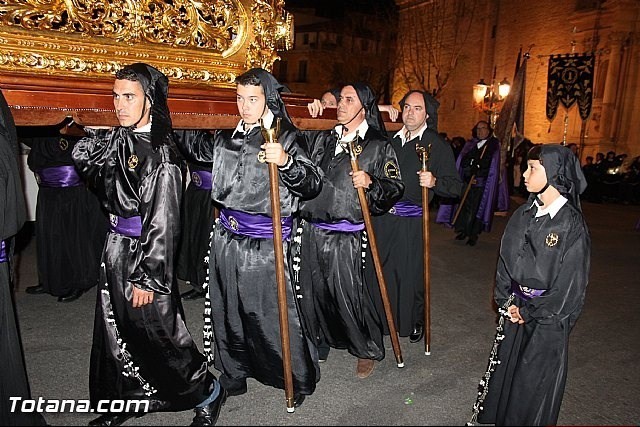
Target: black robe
{"x": 13, "y": 375}
{"x": 197, "y": 223}
{"x": 400, "y": 239}
{"x": 242, "y": 282}
{"x": 70, "y": 226}
{"x": 146, "y": 352}
{"x": 550, "y": 254}
{"x": 337, "y": 304}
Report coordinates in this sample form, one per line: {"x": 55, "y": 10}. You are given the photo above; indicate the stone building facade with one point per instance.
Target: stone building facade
{"x": 495, "y": 30}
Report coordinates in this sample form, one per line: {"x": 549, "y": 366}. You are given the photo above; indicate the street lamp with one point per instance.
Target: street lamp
{"x": 488, "y": 98}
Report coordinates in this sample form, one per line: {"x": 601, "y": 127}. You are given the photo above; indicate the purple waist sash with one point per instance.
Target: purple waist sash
{"x": 256, "y": 226}
{"x": 406, "y": 209}
{"x": 342, "y": 226}
{"x": 4, "y": 256}
{"x": 130, "y": 227}
{"x": 524, "y": 292}
{"x": 59, "y": 176}
{"x": 202, "y": 179}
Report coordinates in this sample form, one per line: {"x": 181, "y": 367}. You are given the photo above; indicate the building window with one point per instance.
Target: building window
{"x": 302, "y": 71}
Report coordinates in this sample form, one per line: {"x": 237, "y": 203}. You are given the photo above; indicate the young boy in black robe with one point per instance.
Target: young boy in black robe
{"x": 541, "y": 282}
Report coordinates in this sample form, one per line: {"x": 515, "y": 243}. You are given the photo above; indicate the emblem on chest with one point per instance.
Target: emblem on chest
{"x": 551, "y": 239}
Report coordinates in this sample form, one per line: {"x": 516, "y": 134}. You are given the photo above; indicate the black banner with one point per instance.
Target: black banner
{"x": 570, "y": 80}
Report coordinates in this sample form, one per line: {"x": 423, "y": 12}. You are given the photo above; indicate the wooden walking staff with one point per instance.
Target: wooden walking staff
{"x": 376, "y": 258}
{"x": 271, "y": 136}
{"x": 466, "y": 191}
{"x": 423, "y": 154}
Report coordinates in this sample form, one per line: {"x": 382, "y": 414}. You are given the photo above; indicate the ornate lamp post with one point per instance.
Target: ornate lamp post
{"x": 489, "y": 98}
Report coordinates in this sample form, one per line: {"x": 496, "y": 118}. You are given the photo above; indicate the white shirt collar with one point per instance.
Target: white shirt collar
{"x": 145, "y": 128}
{"x": 552, "y": 209}
{"x": 361, "y": 130}
{"x": 402, "y": 133}
{"x": 480, "y": 143}
{"x": 267, "y": 120}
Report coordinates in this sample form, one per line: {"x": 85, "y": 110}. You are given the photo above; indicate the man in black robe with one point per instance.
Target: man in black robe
{"x": 399, "y": 231}
{"x": 479, "y": 166}
{"x": 13, "y": 374}
{"x": 336, "y": 302}
{"x": 242, "y": 295}
{"x": 70, "y": 226}
{"x": 142, "y": 348}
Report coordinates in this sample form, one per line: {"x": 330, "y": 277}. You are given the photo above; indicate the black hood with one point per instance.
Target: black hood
{"x": 156, "y": 87}
{"x": 563, "y": 171}
{"x": 370, "y": 105}
{"x": 272, "y": 89}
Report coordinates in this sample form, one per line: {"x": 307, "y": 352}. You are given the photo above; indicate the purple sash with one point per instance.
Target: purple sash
{"x": 60, "y": 176}
{"x": 4, "y": 256}
{"x": 524, "y": 292}
{"x": 202, "y": 179}
{"x": 342, "y": 226}
{"x": 256, "y": 226}
{"x": 406, "y": 209}
{"x": 130, "y": 227}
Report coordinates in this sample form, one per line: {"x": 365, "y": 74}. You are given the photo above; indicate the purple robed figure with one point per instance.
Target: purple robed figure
{"x": 479, "y": 207}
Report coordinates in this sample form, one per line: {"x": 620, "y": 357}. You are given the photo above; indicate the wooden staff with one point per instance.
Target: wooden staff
{"x": 271, "y": 136}
{"x": 376, "y": 259}
{"x": 426, "y": 252}
{"x": 466, "y": 192}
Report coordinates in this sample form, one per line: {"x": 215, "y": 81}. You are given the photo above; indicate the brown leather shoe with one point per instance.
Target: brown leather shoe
{"x": 365, "y": 367}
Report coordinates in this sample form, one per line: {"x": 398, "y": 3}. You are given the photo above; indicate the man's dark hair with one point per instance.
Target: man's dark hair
{"x": 248, "y": 79}
{"x": 127, "y": 74}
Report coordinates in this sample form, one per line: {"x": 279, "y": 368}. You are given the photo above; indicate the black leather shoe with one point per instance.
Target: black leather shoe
{"x": 112, "y": 419}
{"x": 34, "y": 290}
{"x": 71, "y": 296}
{"x": 461, "y": 236}
{"x": 208, "y": 415}
{"x": 298, "y": 399}
{"x": 472, "y": 241}
{"x": 193, "y": 294}
{"x": 417, "y": 334}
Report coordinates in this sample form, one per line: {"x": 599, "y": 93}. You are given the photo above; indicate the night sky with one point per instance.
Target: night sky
{"x": 334, "y": 8}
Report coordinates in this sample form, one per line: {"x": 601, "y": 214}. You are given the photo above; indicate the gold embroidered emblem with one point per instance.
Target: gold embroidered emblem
{"x": 64, "y": 144}
{"x": 357, "y": 149}
{"x": 196, "y": 179}
{"x": 391, "y": 170}
{"x": 262, "y": 156}
{"x": 233, "y": 223}
{"x": 552, "y": 239}
{"x": 133, "y": 161}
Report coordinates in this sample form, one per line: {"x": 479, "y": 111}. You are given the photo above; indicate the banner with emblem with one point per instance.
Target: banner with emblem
{"x": 570, "y": 80}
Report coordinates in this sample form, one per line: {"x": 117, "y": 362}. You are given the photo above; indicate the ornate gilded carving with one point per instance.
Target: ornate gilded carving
{"x": 214, "y": 25}
{"x": 272, "y": 29}
{"x": 192, "y": 41}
